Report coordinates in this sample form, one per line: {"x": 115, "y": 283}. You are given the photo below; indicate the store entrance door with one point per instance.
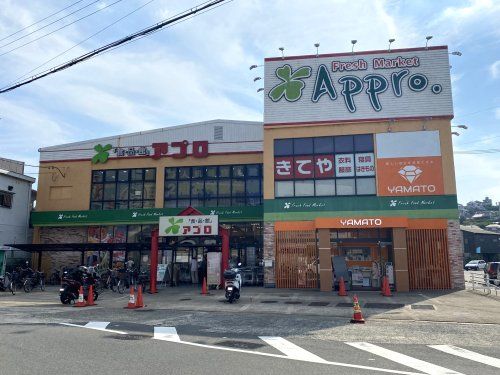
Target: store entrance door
{"x": 182, "y": 264}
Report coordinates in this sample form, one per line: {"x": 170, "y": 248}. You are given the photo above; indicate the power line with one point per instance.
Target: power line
{"x": 43, "y": 19}
{"x": 192, "y": 11}
{"x": 477, "y": 152}
{"x": 49, "y": 24}
{"x": 481, "y": 140}
{"x": 81, "y": 42}
{"x": 62, "y": 27}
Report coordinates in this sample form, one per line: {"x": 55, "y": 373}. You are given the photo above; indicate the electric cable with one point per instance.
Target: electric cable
{"x": 81, "y": 42}
{"x": 142, "y": 33}
{"x": 62, "y": 27}
{"x": 49, "y": 24}
{"x": 43, "y": 19}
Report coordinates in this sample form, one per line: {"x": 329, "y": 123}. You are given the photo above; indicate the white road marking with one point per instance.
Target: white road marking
{"x": 467, "y": 354}
{"x": 417, "y": 364}
{"x": 98, "y": 326}
{"x": 291, "y": 350}
{"x": 166, "y": 334}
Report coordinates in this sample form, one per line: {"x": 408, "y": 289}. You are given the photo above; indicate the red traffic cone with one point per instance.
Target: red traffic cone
{"x": 382, "y": 287}
{"x": 386, "y": 290}
{"x": 357, "y": 317}
{"x": 131, "y": 299}
{"x": 139, "y": 303}
{"x": 342, "y": 291}
{"x": 204, "y": 291}
{"x": 81, "y": 301}
{"x": 90, "y": 297}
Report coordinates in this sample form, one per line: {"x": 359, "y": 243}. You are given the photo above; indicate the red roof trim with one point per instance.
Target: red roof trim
{"x": 395, "y": 51}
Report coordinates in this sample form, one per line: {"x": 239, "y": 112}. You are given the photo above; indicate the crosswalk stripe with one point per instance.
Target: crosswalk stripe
{"x": 291, "y": 350}
{"x": 166, "y": 334}
{"x": 417, "y": 364}
{"x": 467, "y": 354}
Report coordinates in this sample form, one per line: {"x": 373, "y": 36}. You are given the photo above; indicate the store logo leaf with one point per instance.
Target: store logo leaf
{"x": 102, "y": 153}
{"x": 174, "y": 228}
{"x": 292, "y": 85}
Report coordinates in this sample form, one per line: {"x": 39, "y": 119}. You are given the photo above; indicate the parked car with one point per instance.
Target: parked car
{"x": 475, "y": 265}
{"x": 492, "y": 269}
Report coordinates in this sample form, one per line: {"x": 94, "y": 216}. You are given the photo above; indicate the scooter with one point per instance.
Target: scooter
{"x": 232, "y": 283}
{"x": 68, "y": 293}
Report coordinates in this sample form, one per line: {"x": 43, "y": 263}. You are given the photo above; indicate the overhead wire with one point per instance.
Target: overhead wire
{"x": 43, "y": 19}
{"x": 60, "y": 28}
{"x": 49, "y": 24}
{"x": 199, "y": 9}
{"x": 81, "y": 42}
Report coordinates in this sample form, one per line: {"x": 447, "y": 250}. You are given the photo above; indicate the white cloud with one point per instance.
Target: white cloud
{"x": 495, "y": 69}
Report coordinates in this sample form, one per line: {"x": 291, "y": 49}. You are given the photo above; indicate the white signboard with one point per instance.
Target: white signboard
{"x": 199, "y": 225}
{"x": 213, "y": 268}
{"x": 344, "y": 165}
{"x": 365, "y": 164}
{"x": 405, "y": 83}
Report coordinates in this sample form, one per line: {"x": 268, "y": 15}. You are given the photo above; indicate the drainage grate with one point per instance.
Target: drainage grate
{"x": 388, "y": 306}
{"x": 142, "y": 310}
{"x": 319, "y": 303}
{"x": 423, "y": 307}
{"x": 185, "y": 299}
{"x": 344, "y": 304}
{"x": 239, "y": 344}
{"x": 293, "y": 302}
{"x": 268, "y": 301}
{"x": 128, "y": 337}
{"x": 284, "y": 295}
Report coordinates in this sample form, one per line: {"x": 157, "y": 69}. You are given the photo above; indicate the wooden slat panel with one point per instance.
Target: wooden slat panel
{"x": 296, "y": 259}
{"x": 428, "y": 262}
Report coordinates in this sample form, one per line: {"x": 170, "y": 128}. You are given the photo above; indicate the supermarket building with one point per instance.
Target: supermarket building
{"x": 350, "y": 174}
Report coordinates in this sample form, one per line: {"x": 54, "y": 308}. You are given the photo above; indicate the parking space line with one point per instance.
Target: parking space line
{"x": 417, "y": 364}
{"x": 166, "y": 334}
{"x": 290, "y": 349}
{"x": 467, "y": 354}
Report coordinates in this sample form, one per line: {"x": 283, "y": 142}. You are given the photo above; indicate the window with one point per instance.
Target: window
{"x": 6, "y": 199}
{"x": 123, "y": 189}
{"x": 214, "y": 186}
{"x": 324, "y": 166}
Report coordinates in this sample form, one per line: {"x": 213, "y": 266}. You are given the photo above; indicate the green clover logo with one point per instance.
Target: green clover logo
{"x": 292, "y": 84}
{"x": 175, "y": 227}
{"x": 102, "y": 153}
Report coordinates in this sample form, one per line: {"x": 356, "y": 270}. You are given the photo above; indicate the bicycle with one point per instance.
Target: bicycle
{"x": 6, "y": 283}
{"x": 37, "y": 279}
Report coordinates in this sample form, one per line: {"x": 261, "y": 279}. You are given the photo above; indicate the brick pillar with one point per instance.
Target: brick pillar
{"x": 401, "y": 275}
{"x": 325, "y": 260}
{"x": 269, "y": 255}
{"x": 456, "y": 254}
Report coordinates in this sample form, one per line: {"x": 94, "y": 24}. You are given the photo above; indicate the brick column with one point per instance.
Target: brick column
{"x": 401, "y": 275}
{"x": 456, "y": 254}
{"x": 325, "y": 260}
{"x": 269, "y": 255}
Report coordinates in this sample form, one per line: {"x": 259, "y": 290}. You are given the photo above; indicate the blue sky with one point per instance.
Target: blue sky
{"x": 198, "y": 69}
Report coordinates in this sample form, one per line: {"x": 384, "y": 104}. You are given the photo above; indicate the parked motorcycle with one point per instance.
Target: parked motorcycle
{"x": 70, "y": 288}
{"x": 232, "y": 283}
{"x": 6, "y": 283}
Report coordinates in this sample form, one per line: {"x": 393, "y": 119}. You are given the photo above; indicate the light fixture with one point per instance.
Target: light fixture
{"x": 260, "y": 89}
{"x": 317, "y": 48}
{"x": 253, "y": 67}
{"x": 257, "y": 78}
{"x": 455, "y": 133}
{"x": 427, "y": 38}
{"x": 390, "y": 42}
{"x": 353, "y": 42}
{"x": 456, "y": 53}
{"x": 460, "y": 126}
{"x": 389, "y": 127}
{"x": 282, "y": 53}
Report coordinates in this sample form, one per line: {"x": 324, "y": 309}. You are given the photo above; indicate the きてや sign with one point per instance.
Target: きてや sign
{"x": 199, "y": 225}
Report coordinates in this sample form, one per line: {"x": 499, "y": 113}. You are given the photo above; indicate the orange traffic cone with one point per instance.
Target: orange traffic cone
{"x": 139, "y": 303}
{"x": 342, "y": 291}
{"x": 90, "y": 297}
{"x": 131, "y": 299}
{"x": 81, "y": 302}
{"x": 386, "y": 289}
{"x": 204, "y": 287}
{"x": 382, "y": 287}
{"x": 357, "y": 317}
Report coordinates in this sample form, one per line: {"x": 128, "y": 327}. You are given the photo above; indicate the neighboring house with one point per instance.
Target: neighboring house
{"x": 495, "y": 227}
{"x": 480, "y": 243}
{"x": 16, "y": 203}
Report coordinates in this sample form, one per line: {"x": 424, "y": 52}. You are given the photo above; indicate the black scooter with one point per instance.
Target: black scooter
{"x": 6, "y": 283}
{"x": 68, "y": 293}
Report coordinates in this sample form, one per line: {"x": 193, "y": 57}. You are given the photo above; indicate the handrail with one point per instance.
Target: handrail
{"x": 483, "y": 282}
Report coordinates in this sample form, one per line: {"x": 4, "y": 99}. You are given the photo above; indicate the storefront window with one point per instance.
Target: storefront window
{"x": 213, "y": 186}
{"x": 123, "y": 189}
{"x": 324, "y": 166}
